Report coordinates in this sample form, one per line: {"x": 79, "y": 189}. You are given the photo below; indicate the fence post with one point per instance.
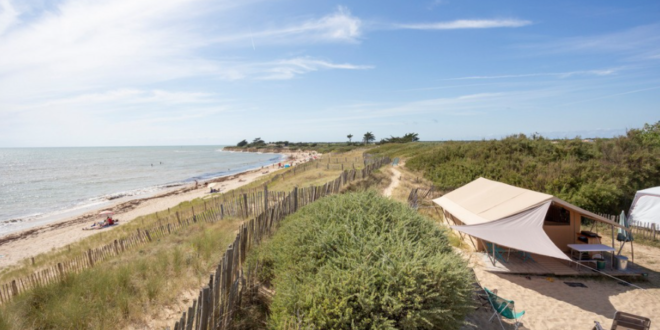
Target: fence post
{"x": 265, "y": 197}
{"x": 146, "y": 232}
{"x": 90, "y": 257}
{"x": 245, "y": 206}
{"x": 14, "y": 288}
{"x": 60, "y": 269}
{"x": 295, "y": 199}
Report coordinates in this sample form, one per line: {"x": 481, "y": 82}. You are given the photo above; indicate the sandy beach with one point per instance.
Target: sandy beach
{"x": 28, "y": 243}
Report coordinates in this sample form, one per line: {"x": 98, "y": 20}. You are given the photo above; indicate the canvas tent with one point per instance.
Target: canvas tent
{"x": 646, "y": 206}
{"x": 514, "y": 217}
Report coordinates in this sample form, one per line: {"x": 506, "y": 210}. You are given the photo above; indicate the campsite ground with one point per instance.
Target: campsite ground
{"x": 547, "y": 301}
{"x": 551, "y": 304}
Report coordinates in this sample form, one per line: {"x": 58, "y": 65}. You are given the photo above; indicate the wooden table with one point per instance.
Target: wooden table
{"x": 592, "y": 248}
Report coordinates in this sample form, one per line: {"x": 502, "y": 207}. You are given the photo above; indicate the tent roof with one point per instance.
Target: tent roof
{"x": 484, "y": 200}
{"x": 650, "y": 191}
{"x": 646, "y": 206}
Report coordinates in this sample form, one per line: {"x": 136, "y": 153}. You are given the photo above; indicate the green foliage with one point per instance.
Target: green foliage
{"x": 409, "y": 137}
{"x": 242, "y": 143}
{"x": 649, "y": 135}
{"x": 601, "y": 176}
{"x": 361, "y": 261}
{"x": 368, "y": 138}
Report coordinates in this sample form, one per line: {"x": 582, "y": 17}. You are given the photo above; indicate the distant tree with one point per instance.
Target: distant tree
{"x": 368, "y": 137}
{"x": 409, "y": 137}
{"x": 349, "y": 136}
{"x": 242, "y": 143}
{"x": 257, "y": 142}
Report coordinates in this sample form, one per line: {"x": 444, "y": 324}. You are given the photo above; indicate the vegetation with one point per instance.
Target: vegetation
{"x": 409, "y": 137}
{"x": 361, "y": 261}
{"x": 368, "y": 138}
{"x": 600, "y": 175}
{"x": 349, "y": 136}
{"x": 127, "y": 290}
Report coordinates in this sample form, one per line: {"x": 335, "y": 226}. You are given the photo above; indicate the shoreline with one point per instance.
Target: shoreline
{"x": 22, "y": 245}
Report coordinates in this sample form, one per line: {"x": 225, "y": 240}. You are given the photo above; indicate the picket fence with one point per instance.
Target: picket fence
{"x": 242, "y": 205}
{"x": 220, "y": 299}
{"x": 644, "y": 230}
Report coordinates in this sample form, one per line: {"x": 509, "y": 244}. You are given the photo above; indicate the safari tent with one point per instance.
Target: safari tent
{"x": 516, "y": 218}
{"x": 646, "y": 206}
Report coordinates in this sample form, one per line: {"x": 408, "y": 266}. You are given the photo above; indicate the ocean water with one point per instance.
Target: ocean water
{"x": 39, "y": 185}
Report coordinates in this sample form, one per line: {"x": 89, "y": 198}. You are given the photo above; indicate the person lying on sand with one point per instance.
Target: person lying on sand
{"x": 102, "y": 224}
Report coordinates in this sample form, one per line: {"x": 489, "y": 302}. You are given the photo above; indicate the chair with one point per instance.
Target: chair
{"x": 505, "y": 308}
{"x": 627, "y": 321}
{"x": 493, "y": 249}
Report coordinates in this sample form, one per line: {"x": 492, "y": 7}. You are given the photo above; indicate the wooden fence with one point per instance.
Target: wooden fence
{"x": 644, "y": 230}
{"x": 241, "y": 205}
{"x": 220, "y": 299}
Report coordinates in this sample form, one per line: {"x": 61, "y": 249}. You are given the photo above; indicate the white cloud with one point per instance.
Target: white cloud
{"x": 82, "y": 46}
{"x": 287, "y": 69}
{"x": 8, "y": 15}
{"x": 339, "y": 26}
{"x": 602, "y": 72}
{"x": 636, "y": 43}
{"x": 466, "y": 24}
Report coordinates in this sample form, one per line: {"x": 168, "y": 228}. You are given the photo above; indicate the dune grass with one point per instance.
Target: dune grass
{"x": 361, "y": 261}
{"x": 127, "y": 289}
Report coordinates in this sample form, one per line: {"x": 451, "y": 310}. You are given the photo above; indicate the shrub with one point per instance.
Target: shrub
{"x": 361, "y": 261}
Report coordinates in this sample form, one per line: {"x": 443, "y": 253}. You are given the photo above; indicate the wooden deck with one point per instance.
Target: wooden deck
{"x": 542, "y": 265}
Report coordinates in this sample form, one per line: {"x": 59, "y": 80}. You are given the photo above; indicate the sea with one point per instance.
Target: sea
{"x": 42, "y": 185}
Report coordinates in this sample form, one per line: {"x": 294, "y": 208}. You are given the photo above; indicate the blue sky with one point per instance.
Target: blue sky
{"x": 175, "y": 72}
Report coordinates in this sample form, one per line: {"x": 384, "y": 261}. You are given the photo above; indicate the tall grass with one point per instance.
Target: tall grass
{"x": 361, "y": 261}
{"x": 126, "y": 290}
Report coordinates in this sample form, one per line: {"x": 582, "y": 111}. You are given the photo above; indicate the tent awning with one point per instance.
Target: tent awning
{"x": 522, "y": 231}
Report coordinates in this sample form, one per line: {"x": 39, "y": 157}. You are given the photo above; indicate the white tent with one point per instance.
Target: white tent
{"x": 646, "y": 206}
{"x": 508, "y": 216}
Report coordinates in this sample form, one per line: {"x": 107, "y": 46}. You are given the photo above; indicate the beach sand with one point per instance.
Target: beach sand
{"x": 551, "y": 304}
{"x": 28, "y": 243}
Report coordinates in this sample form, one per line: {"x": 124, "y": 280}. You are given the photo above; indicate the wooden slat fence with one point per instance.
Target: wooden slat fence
{"x": 645, "y": 230}
{"x": 219, "y": 300}
{"x": 241, "y": 205}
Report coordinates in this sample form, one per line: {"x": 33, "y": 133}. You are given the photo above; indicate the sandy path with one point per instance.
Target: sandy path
{"x": 19, "y": 246}
{"x": 395, "y": 182}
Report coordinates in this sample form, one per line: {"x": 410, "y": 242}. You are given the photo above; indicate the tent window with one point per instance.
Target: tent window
{"x": 557, "y": 216}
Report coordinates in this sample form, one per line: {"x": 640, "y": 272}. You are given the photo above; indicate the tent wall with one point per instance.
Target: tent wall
{"x": 562, "y": 235}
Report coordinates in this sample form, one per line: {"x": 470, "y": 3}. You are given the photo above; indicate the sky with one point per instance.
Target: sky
{"x": 214, "y": 72}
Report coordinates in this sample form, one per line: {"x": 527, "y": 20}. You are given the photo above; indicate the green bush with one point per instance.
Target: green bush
{"x": 600, "y": 175}
{"x": 360, "y": 261}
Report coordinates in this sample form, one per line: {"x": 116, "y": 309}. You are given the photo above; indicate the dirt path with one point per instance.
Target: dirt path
{"x": 395, "y": 182}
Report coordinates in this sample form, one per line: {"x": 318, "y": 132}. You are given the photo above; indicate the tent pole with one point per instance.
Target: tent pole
{"x": 492, "y": 261}
{"x": 613, "y": 236}
{"x": 632, "y": 246}
{"x": 494, "y": 253}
